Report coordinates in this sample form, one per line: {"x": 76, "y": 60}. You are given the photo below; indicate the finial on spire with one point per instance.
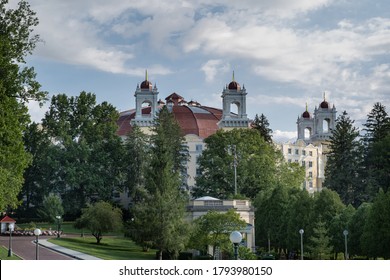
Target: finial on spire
{"x": 146, "y": 74}
{"x": 324, "y": 95}
{"x": 233, "y": 76}
{"x": 306, "y": 107}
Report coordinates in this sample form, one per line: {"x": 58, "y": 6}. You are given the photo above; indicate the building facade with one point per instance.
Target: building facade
{"x": 310, "y": 148}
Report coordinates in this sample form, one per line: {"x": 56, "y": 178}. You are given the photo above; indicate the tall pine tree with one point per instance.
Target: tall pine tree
{"x": 261, "y": 124}
{"x": 345, "y": 161}
{"x": 159, "y": 216}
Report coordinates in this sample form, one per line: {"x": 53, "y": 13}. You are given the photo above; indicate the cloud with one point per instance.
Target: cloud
{"x": 214, "y": 66}
{"x": 284, "y": 136}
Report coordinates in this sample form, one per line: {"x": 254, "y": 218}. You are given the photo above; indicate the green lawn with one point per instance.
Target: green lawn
{"x": 111, "y": 248}
{"x": 4, "y": 254}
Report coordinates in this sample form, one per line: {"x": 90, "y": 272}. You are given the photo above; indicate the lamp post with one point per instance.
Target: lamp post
{"x": 345, "y": 232}
{"x": 235, "y": 238}
{"x": 11, "y": 228}
{"x": 233, "y": 150}
{"x": 301, "y": 231}
{"x": 58, "y": 226}
{"x": 37, "y": 233}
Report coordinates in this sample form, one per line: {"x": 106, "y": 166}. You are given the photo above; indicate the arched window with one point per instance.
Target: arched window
{"x": 325, "y": 125}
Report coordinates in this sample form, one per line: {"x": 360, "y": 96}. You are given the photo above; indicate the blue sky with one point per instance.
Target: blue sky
{"x": 285, "y": 52}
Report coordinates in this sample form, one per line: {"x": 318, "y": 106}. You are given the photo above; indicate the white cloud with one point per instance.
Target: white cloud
{"x": 37, "y": 112}
{"x": 212, "y": 67}
{"x": 284, "y": 136}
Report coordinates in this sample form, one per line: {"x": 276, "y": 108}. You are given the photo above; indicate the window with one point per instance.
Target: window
{"x": 311, "y": 153}
{"x": 289, "y": 160}
{"x": 289, "y": 151}
{"x": 303, "y": 163}
{"x": 303, "y": 152}
{"x": 198, "y": 172}
{"x": 310, "y": 185}
{"x": 296, "y": 161}
{"x": 199, "y": 147}
{"x": 310, "y": 174}
{"x": 296, "y": 151}
{"x": 310, "y": 164}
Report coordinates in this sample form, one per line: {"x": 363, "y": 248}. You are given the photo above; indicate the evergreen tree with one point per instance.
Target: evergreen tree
{"x": 377, "y": 139}
{"x": 319, "y": 243}
{"x": 345, "y": 161}
{"x": 377, "y": 124}
{"x": 262, "y": 126}
{"x": 17, "y": 86}
{"x": 159, "y": 216}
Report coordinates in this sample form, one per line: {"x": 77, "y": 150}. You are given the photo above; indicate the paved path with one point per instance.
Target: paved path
{"x": 24, "y": 247}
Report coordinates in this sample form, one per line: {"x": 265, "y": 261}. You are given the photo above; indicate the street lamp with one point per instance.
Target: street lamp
{"x": 345, "y": 232}
{"x": 233, "y": 150}
{"x": 301, "y": 231}
{"x": 58, "y": 226}
{"x": 37, "y": 233}
{"x": 11, "y": 228}
{"x": 235, "y": 238}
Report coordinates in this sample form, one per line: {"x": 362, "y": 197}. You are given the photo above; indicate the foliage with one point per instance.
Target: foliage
{"x": 17, "y": 86}
{"x": 319, "y": 243}
{"x": 345, "y": 162}
{"x": 100, "y": 218}
{"x": 85, "y": 153}
{"x": 376, "y": 235}
{"x": 213, "y": 229}
{"x": 51, "y": 208}
{"x": 259, "y": 165}
{"x": 261, "y": 124}
{"x": 356, "y": 227}
{"x": 159, "y": 213}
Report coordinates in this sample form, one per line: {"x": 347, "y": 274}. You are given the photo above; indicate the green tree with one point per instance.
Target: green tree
{"x": 356, "y": 228}
{"x": 345, "y": 162}
{"x": 376, "y": 142}
{"x": 261, "y": 124}
{"x": 159, "y": 215}
{"x": 377, "y": 124}
{"x": 51, "y": 208}
{"x": 213, "y": 229}
{"x": 17, "y": 86}
{"x": 259, "y": 165}
{"x": 136, "y": 162}
{"x": 87, "y": 152}
{"x": 376, "y": 235}
{"x": 319, "y": 243}
{"x": 100, "y": 218}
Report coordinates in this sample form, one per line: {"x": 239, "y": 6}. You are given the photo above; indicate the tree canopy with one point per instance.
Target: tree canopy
{"x": 259, "y": 165}
{"x": 17, "y": 86}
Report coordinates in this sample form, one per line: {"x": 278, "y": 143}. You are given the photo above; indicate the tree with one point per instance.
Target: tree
{"x": 100, "y": 218}
{"x": 377, "y": 124}
{"x": 345, "y": 162}
{"x": 17, "y": 86}
{"x": 376, "y": 142}
{"x": 319, "y": 243}
{"x": 259, "y": 165}
{"x": 51, "y": 208}
{"x": 87, "y": 152}
{"x": 213, "y": 229}
{"x": 262, "y": 126}
{"x": 159, "y": 214}
{"x": 356, "y": 228}
{"x": 376, "y": 235}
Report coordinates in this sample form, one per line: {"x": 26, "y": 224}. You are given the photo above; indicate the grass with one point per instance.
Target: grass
{"x": 4, "y": 254}
{"x": 111, "y": 248}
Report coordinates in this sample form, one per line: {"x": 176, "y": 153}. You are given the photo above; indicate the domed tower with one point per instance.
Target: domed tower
{"x": 147, "y": 95}
{"x": 234, "y": 94}
{"x": 305, "y": 125}
{"x": 324, "y": 121}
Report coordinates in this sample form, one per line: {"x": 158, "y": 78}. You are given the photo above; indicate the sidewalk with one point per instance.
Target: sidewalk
{"x": 68, "y": 252}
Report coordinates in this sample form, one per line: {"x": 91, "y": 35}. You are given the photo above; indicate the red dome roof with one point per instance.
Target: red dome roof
{"x": 199, "y": 120}
{"x": 234, "y": 86}
{"x": 306, "y": 115}
{"x": 146, "y": 85}
{"x": 324, "y": 105}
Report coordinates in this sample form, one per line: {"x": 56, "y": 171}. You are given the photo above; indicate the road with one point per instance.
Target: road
{"x": 24, "y": 247}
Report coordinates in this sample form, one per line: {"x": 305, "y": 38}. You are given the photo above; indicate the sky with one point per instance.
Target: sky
{"x": 286, "y": 53}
